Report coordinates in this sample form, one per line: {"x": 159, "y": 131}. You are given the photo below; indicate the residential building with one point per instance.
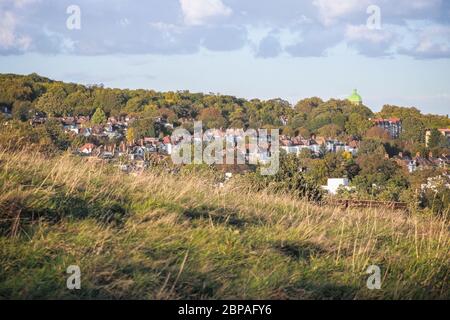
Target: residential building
{"x": 392, "y": 125}
{"x": 333, "y": 185}
{"x": 87, "y": 149}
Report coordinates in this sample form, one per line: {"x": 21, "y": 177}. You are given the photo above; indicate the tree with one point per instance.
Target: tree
{"x": 330, "y": 131}
{"x": 303, "y": 132}
{"x": 357, "y": 125}
{"x": 371, "y": 146}
{"x": 99, "y": 117}
{"x": 289, "y": 178}
{"x": 435, "y": 139}
{"x": 288, "y": 131}
{"x": 131, "y": 135}
{"x": 81, "y": 102}
{"x": 413, "y": 130}
{"x": 21, "y": 110}
{"x": 237, "y": 118}
{"x": 57, "y": 135}
{"x": 112, "y": 101}
{"x": 168, "y": 114}
{"x": 377, "y": 133}
{"x": 53, "y": 102}
{"x": 212, "y": 118}
{"x": 145, "y": 127}
{"x": 307, "y": 105}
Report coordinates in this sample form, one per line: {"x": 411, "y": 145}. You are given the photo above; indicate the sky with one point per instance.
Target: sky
{"x": 392, "y": 51}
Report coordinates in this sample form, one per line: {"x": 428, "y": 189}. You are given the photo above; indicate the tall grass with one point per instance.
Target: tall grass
{"x": 159, "y": 236}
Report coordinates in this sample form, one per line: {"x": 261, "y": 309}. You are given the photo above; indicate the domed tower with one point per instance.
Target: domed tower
{"x": 355, "y": 98}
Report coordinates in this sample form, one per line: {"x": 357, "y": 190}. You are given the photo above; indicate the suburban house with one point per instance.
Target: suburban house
{"x": 316, "y": 145}
{"x": 87, "y": 149}
{"x": 420, "y": 162}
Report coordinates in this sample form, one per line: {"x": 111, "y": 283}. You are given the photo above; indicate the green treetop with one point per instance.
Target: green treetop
{"x": 99, "y": 116}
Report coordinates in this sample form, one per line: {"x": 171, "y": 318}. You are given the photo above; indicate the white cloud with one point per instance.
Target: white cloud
{"x": 7, "y": 26}
{"x": 332, "y": 10}
{"x": 18, "y": 3}
{"x": 8, "y": 37}
{"x": 420, "y": 4}
{"x": 362, "y": 33}
{"x": 433, "y": 42}
{"x": 198, "y": 12}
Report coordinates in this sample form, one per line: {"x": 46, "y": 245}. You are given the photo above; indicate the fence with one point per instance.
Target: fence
{"x": 368, "y": 204}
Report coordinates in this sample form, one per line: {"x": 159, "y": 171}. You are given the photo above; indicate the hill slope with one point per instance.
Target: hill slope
{"x": 158, "y": 236}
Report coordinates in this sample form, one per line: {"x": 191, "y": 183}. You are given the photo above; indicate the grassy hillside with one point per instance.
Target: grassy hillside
{"x": 158, "y": 236}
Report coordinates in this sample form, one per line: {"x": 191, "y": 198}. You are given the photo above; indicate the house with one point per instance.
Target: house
{"x": 69, "y": 125}
{"x": 422, "y": 162}
{"x": 354, "y": 143}
{"x": 108, "y": 152}
{"x": 38, "y": 119}
{"x": 138, "y": 152}
{"x": 123, "y": 149}
{"x": 97, "y": 130}
{"x": 333, "y": 185}
{"x": 392, "y": 125}
{"x": 166, "y": 148}
{"x": 406, "y": 162}
{"x": 87, "y": 149}
{"x": 150, "y": 140}
{"x": 85, "y": 132}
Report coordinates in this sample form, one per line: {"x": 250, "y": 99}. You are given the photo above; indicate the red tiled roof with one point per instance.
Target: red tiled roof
{"x": 393, "y": 120}
{"x": 88, "y": 146}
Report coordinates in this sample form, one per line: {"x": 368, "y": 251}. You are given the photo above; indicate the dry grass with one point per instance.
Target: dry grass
{"x": 159, "y": 236}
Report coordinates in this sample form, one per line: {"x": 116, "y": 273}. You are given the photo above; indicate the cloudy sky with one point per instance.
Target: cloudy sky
{"x": 250, "y": 48}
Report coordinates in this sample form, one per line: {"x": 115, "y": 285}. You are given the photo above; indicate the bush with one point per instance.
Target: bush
{"x": 289, "y": 179}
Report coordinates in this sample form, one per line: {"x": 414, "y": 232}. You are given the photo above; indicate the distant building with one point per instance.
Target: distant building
{"x": 444, "y": 132}
{"x": 355, "y": 98}
{"x": 87, "y": 149}
{"x": 334, "y": 184}
{"x": 392, "y": 125}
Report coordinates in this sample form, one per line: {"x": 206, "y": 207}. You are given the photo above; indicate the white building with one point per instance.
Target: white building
{"x": 334, "y": 184}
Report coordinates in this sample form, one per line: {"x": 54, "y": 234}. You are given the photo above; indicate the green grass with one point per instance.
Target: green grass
{"x": 158, "y": 236}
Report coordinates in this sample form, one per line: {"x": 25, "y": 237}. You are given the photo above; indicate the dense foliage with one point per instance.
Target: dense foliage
{"x": 373, "y": 174}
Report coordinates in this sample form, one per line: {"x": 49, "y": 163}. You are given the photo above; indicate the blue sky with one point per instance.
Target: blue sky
{"x": 290, "y": 49}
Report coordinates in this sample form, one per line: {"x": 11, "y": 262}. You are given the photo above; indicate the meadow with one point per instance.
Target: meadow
{"x": 157, "y": 235}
